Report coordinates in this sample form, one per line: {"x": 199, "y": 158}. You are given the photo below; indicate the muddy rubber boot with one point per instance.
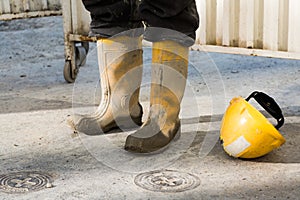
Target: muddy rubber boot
{"x": 120, "y": 66}
{"x": 169, "y": 73}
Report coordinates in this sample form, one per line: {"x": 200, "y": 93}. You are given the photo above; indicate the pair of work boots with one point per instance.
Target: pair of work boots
{"x": 120, "y": 66}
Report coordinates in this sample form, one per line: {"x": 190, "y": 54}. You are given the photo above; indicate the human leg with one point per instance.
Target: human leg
{"x": 119, "y": 56}
{"x": 171, "y": 28}
{"x": 112, "y": 17}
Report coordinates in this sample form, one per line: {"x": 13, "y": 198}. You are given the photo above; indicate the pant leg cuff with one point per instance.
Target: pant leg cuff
{"x": 156, "y": 34}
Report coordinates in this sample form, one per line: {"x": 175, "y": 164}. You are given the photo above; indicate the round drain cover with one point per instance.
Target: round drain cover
{"x": 20, "y": 182}
{"x": 167, "y": 181}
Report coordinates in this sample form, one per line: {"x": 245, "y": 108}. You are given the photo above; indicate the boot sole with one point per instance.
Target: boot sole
{"x": 135, "y": 149}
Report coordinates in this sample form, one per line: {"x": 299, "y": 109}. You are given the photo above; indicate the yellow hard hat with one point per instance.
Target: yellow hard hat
{"x": 247, "y": 133}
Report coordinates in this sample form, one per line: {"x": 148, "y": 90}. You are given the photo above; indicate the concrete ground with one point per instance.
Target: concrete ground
{"x": 35, "y": 136}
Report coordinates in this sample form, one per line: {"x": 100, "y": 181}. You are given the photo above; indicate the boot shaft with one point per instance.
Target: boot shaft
{"x": 169, "y": 74}
{"x": 120, "y": 65}
{"x": 117, "y": 56}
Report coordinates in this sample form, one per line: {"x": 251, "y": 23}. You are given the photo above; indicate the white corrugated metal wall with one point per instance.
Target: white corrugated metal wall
{"x": 10, "y": 9}
{"x": 249, "y": 26}
{"x": 271, "y": 25}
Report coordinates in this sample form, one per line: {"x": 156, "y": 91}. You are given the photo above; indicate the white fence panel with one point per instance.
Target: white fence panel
{"x": 258, "y": 27}
{"x": 294, "y": 26}
{"x": 11, "y": 9}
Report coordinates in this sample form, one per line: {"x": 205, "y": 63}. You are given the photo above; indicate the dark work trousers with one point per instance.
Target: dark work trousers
{"x": 164, "y": 19}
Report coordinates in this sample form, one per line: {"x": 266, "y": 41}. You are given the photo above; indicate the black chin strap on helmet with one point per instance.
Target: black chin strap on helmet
{"x": 269, "y": 104}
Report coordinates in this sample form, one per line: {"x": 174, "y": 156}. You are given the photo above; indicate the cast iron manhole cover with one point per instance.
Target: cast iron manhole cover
{"x": 167, "y": 181}
{"x": 20, "y": 182}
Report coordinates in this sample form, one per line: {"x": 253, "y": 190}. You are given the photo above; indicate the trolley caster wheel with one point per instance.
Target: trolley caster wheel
{"x": 68, "y": 75}
{"x": 86, "y": 45}
{"x": 80, "y": 53}
{"x": 80, "y": 56}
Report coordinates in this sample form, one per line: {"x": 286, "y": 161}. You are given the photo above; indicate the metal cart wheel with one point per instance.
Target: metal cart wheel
{"x": 70, "y": 71}
{"x": 81, "y": 53}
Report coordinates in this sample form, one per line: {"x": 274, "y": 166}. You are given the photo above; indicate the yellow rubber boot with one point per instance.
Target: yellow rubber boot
{"x": 120, "y": 61}
{"x": 169, "y": 73}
